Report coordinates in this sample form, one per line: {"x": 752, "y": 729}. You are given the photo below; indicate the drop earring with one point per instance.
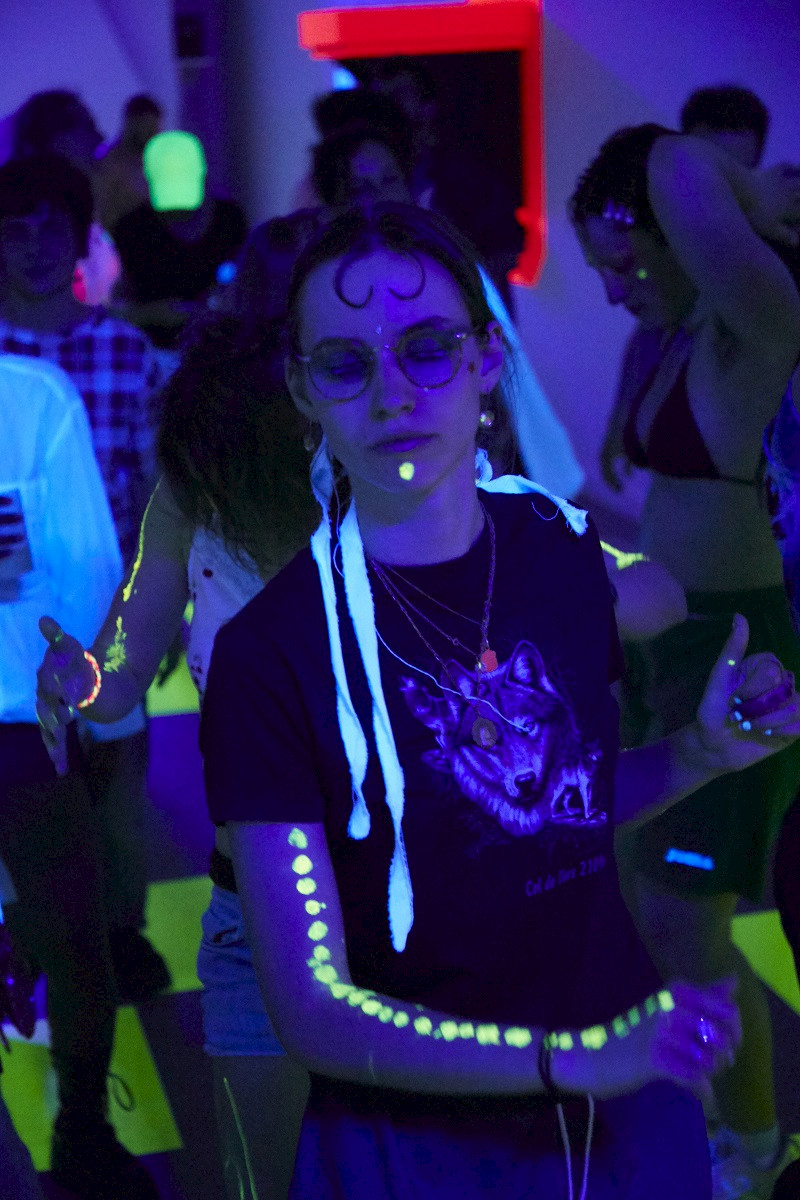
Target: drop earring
{"x": 312, "y": 437}
{"x": 486, "y": 419}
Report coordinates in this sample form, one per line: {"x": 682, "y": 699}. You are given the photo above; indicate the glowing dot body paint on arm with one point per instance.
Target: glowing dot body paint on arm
{"x": 406, "y": 471}
{"x": 449, "y": 1029}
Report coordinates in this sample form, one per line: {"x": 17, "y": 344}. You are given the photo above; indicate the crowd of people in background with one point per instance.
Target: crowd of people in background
{"x": 432, "y": 682}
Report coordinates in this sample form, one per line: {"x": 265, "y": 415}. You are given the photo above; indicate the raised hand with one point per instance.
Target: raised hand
{"x": 63, "y": 680}
{"x": 756, "y": 685}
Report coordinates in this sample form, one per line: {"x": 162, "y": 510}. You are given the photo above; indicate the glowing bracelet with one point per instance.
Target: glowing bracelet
{"x": 98, "y": 681}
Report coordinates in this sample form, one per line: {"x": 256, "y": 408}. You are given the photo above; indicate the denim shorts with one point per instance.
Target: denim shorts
{"x": 234, "y": 1018}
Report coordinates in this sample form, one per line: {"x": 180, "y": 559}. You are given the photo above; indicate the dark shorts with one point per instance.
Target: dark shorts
{"x": 726, "y": 828}
{"x": 649, "y": 1145}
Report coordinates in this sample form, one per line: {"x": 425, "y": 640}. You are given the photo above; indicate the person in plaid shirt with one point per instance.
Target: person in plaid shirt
{"x": 45, "y": 213}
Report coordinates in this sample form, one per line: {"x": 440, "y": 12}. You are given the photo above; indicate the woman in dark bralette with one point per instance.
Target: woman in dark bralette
{"x": 674, "y": 228}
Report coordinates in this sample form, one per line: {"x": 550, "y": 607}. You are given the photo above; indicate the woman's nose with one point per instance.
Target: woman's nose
{"x": 392, "y": 391}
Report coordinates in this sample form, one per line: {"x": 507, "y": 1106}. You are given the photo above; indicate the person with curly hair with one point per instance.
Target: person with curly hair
{"x": 675, "y": 229}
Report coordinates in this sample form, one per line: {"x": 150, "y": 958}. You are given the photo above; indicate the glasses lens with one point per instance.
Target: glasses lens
{"x": 340, "y": 369}
{"x": 430, "y": 357}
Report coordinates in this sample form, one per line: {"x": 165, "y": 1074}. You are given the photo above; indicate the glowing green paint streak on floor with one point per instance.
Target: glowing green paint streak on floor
{"x": 178, "y": 695}
{"x": 148, "y": 1129}
{"x": 173, "y": 916}
{"x": 760, "y": 938}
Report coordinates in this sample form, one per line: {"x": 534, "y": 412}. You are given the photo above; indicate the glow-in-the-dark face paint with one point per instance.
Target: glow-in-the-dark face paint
{"x": 406, "y": 471}
{"x": 116, "y": 655}
{"x": 402, "y": 1016}
{"x": 623, "y": 558}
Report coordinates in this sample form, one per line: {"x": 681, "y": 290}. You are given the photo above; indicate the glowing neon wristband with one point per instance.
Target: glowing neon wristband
{"x": 98, "y": 681}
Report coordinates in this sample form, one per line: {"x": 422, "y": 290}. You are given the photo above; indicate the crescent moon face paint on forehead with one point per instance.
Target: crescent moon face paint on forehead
{"x": 350, "y": 261}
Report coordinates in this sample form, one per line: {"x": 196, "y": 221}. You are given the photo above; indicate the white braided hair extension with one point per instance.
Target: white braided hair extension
{"x": 362, "y": 614}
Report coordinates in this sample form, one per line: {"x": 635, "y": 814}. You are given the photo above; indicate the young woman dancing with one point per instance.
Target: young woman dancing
{"x": 411, "y": 735}
{"x": 674, "y": 228}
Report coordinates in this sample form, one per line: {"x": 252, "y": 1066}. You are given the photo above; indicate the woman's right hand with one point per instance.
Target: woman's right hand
{"x": 63, "y": 680}
{"x": 687, "y": 1045}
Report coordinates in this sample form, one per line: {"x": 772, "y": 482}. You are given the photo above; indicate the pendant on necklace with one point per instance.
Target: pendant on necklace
{"x": 484, "y": 733}
{"x": 487, "y": 661}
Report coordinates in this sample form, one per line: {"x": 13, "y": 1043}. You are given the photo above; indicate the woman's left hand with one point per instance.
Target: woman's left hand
{"x": 750, "y": 708}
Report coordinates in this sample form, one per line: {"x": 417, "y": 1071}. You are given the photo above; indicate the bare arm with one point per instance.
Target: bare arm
{"x": 296, "y": 929}
{"x": 709, "y": 208}
{"x": 143, "y": 619}
{"x": 649, "y": 600}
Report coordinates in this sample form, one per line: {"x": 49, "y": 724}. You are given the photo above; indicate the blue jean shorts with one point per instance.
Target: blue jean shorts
{"x": 234, "y": 1018}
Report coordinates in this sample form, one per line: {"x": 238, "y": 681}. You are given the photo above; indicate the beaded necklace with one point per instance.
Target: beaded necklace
{"x": 484, "y": 731}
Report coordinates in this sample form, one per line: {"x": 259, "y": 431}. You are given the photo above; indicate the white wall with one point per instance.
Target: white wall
{"x": 105, "y": 50}
{"x": 606, "y": 64}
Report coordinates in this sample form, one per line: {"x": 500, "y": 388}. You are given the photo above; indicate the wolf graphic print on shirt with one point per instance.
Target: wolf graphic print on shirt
{"x": 538, "y": 772}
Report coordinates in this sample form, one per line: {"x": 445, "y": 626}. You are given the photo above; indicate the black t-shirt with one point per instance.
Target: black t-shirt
{"x": 160, "y": 266}
{"x": 518, "y": 917}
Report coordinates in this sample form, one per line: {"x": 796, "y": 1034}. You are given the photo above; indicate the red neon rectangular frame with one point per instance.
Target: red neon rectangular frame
{"x": 456, "y": 29}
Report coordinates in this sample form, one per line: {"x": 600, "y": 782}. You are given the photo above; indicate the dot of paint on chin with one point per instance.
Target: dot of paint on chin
{"x": 298, "y": 839}
{"x": 406, "y": 471}
{"x": 302, "y": 864}
{"x": 306, "y": 886}
{"x": 317, "y": 930}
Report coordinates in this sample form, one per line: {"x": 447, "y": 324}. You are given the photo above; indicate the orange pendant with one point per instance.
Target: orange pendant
{"x": 484, "y": 733}
{"x": 488, "y": 660}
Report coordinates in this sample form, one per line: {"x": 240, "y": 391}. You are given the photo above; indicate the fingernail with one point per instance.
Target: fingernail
{"x": 736, "y": 699}
{"x": 767, "y": 733}
{"x": 746, "y": 726}
{"x": 736, "y": 715}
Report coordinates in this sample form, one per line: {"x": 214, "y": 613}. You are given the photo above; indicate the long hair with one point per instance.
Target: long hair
{"x": 231, "y": 443}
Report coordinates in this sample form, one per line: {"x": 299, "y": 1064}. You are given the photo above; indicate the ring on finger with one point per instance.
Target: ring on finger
{"x": 705, "y": 1031}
